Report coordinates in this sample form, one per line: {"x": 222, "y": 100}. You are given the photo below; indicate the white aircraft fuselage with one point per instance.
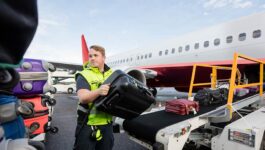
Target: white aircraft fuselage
{"x": 170, "y": 64}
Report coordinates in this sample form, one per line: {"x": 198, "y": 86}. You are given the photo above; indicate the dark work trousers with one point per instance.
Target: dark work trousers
{"x": 84, "y": 142}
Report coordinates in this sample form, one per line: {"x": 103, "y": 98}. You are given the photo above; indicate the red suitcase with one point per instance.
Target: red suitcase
{"x": 182, "y": 106}
{"x": 40, "y": 103}
{"x": 37, "y": 125}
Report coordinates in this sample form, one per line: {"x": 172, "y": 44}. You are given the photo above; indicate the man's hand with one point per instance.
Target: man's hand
{"x": 103, "y": 89}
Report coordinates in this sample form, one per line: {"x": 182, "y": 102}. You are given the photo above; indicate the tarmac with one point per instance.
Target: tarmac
{"x": 64, "y": 117}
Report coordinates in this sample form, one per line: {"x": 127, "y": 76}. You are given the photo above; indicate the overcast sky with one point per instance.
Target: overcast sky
{"x": 122, "y": 25}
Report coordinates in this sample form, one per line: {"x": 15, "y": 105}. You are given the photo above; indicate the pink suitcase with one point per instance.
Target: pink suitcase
{"x": 182, "y": 106}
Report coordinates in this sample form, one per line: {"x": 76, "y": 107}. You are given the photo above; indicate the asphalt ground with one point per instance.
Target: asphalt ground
{"x": 64, "y": 117}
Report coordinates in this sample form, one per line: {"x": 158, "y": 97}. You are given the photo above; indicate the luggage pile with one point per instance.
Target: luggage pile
{"x": 30, "y": 90}
{"x": 209, "y": 96}
{"x": 204, "y": 97}
{"x": 15, "y": 37}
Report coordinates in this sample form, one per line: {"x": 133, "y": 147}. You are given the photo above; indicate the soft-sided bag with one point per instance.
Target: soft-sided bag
{"x": 208, "y": 96}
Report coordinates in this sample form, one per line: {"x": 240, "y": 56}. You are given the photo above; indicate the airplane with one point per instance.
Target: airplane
{"x": 170, "y": 63}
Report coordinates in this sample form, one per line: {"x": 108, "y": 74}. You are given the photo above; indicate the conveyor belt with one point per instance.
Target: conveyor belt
{"x": 146, "y": 126}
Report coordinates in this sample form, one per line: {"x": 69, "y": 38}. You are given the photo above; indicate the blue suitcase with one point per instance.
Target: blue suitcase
{"x": 13, "y": 125}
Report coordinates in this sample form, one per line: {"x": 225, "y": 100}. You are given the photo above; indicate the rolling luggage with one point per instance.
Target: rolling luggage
{"x": 37, "y": 125}
{"x": 182, "y": 106}
{"x": 127, "y": 97}
{"x": 39, "y": 103}
{"x": 33, "y": 78}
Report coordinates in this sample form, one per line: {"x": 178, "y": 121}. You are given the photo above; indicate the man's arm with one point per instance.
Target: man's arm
{"x": 84, "y": 92}
{"x": 86, "y": 96}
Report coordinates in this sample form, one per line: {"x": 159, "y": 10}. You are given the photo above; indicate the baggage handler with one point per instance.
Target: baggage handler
{"x": 94, "y": 128}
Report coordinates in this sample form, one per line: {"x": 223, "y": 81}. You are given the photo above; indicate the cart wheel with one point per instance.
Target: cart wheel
{"x": 54, "y": 130}
{"x": 70, "y": 90}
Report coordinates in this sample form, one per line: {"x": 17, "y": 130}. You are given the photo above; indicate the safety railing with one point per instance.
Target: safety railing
{"x": 235, "y": 76}
{"x": 213, "y": 76}
{"x": 233, "y": 86}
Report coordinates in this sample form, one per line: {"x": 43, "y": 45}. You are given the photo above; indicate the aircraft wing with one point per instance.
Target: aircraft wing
{"x": 75, "y": 67}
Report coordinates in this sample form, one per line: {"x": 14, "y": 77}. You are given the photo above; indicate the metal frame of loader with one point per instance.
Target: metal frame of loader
{"x": 199, "y": 130}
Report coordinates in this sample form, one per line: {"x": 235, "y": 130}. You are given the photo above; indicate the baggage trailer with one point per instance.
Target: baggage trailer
{"x": 228, "y": 125}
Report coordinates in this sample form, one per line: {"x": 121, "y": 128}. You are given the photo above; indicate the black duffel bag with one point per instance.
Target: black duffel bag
{"x": 208, "y": 96}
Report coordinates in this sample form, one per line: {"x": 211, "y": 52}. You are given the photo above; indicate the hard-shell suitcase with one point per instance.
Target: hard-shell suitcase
{"x": 39, "y": 103}
{"x": 182, "y": 106}
{"x": 37, "y": 125}
{"x": 127, "y": 97}
{"x": 33, "y": 78}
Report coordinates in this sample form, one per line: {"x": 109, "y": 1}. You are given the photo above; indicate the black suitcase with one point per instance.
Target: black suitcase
{"x": 127, "y": 97}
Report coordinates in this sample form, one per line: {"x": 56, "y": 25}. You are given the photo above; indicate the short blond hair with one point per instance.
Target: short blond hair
{"x": 99, "y": 49}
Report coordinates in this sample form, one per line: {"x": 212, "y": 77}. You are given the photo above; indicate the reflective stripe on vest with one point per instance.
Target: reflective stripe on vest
{"x": 95, "y": 78}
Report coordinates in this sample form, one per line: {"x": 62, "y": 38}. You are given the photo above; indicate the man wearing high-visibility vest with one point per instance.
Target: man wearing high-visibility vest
{"x": 94, "y": 128}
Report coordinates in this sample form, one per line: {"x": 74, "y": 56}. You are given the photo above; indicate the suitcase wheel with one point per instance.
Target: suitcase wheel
{"x": 51, "y": 102}
{"x": 26, "y": 66}
{"x": 33, "y": 127}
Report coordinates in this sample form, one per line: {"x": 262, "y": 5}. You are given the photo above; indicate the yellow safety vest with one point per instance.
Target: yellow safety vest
{"x": 95, "y": 78}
